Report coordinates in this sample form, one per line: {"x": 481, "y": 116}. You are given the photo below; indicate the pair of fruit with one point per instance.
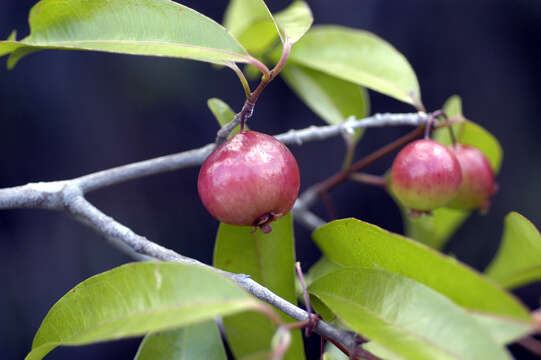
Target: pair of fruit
{"x": 253, "y": 179}
{"x": 426, "y": 175}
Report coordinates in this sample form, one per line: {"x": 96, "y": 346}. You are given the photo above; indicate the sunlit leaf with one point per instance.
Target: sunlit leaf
{"x": 269, "y": 259}
{"x": 135, "y": 299}
{"x": 360, "y": 57}
{"x": 295, "y": 21}
{"x": 321, "y": 268}
{"x": 257, "y": 29}
{"x": 354, "y": 243}
{"x": 191, "y": 342}
{"x": 518, "y": 261}
{"x": 252, "y": 23}
{"x": 405, "y": 317}
{"x": 503, "y": 329}
{"x": 138, "y": 27}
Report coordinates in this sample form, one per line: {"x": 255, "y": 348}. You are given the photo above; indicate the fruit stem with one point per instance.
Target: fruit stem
{"x": 369, "y": 179}
{"x": 251, "y": 97}
{"x": 343, "y": 175}
{"x": 312, "y": 321}
{"x": 350, "y": 151}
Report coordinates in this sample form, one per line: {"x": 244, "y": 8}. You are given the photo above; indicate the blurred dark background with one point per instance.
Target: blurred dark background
{"x": 65, "y": 114}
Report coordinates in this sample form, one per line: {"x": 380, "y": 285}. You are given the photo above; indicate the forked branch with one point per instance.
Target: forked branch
{"x": 68, "y": 196}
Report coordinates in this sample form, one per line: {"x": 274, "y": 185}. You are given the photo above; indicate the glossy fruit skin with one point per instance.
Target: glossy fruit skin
{"x": 477, "y": 179}
{"x": 425, "y": 175}
{"x": 249, "y": 180}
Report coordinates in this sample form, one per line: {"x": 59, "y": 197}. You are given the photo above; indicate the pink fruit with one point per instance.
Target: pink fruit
{"x": 425, "y": 175}
{"x": 251, "y": 180}
{"x": 477, "y": 179}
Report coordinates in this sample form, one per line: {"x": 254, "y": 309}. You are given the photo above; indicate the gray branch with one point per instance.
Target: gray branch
{"x": 68, "y": 196}
{"x": 196, "y": 157}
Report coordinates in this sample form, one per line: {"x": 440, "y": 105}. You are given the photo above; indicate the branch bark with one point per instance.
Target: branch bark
{"x": 68, "y": 196}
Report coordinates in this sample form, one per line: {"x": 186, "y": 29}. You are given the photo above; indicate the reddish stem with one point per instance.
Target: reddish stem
{"x": 341, "y": 176}
{"x": 531, "y": 344}
{"x": 369, "y": 179}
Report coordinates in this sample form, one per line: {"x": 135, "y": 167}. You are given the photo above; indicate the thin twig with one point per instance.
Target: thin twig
{"x": 374, "y": 180}
{"x": 531, "y": 344}
{"x": 341, "y": 176}
{"x": 34, "y": 195}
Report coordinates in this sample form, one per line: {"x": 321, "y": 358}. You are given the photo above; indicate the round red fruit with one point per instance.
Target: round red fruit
{"x": 477, "y": 179}
{"x": 251, "y": 180}
{"x": 425, "y": 175}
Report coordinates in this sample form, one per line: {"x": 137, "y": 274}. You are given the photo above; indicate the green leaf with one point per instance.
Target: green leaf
{"x": 138, "y": 27}
{"x": 257, "y": 29}
{"x": 252, "y": 23}
{"x": 135, "y": 299}
{"x": 404, "y": 316}
{"x": 359, "y": 57}
{"x": 192, "y": 342}
{"x": 518, "y": 261}
{"x": 332, "y": 98}
{"x": 504, "y": 330}
{"x": 295, "y": 21}
{"x": 470, "y": 133}
{"x": 241, "y": 14}
{"x": 381, "y": 351}
{"x": 321, "y": 268}
{"x": 333, "y": 353}
{"x": 221, "y": 111}
{"x": 259, "y": 37}
{"x": 354, "y": 243}
{"x": 269, "y": 259}
{"x": 435, "y": 230}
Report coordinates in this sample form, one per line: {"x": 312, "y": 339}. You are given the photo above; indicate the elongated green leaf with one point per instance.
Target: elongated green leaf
{"x": 241, "y": 14}
{"x": 269, "y": 260}
{"x": 135, "y": 299}
{"x": 359, "y": 57}
{"x": 250, "y": 20}
{"x": 518, "y": 261}
{"x": 504, "y": 330}
{"x": 138, "y": 27}
{"x": 332, "y": 98}
{"x": 257, "y": 29}
{"x": 221, "y": 111}
{"x": 192, "y": 342}
{"x": 295, "y": 21}
{"x": 354, "y": 243}
{"x": 404, "y": 316}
